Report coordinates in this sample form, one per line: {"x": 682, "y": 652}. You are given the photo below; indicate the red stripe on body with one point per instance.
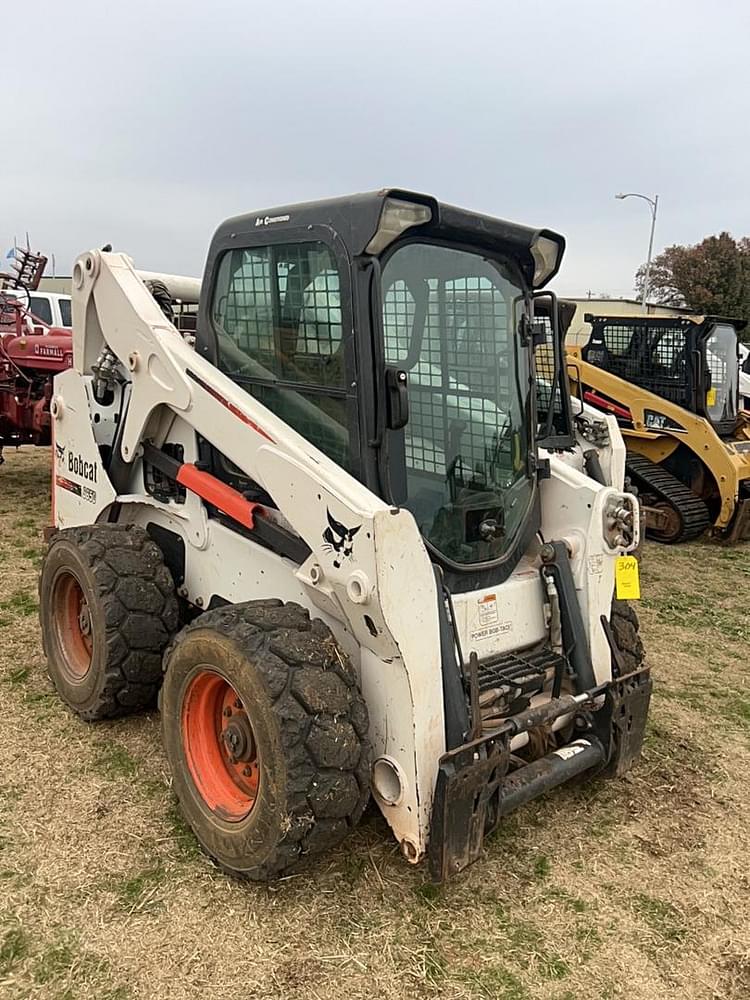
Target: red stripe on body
{"x": 234, "y": 410}
{"x": 53, "y": 495}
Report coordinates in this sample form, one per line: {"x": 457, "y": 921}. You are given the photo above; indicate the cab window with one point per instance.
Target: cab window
{"x": 618, "y": 338}
{"x": 277, "y": 314}
{"x": 65, "y": 312}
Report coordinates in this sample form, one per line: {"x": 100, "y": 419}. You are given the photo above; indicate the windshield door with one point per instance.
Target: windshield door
{"x": 448, "y": 318}
{"x": 723, "y": 364}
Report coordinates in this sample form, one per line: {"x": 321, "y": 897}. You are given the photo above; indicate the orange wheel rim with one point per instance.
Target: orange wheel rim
{"x": 72, "y": 617}
{"x": 219, "y": 745}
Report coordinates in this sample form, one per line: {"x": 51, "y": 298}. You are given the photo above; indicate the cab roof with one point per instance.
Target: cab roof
{"x": 355, "y": 219}
{"x": 695, "y": 320}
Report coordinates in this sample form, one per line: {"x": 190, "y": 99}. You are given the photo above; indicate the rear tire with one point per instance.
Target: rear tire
{"x": 266, "y": 735}
{"x": 107, "y": 608}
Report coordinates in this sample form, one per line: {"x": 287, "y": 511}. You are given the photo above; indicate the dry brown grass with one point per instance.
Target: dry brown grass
{"x": 637, "y": 889}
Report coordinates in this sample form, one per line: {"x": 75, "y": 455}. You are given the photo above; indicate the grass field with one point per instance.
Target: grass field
{"x": 637, "y": 889}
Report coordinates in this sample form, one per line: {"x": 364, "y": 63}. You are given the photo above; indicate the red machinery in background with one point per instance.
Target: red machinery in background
{"x": 31, "y": 353}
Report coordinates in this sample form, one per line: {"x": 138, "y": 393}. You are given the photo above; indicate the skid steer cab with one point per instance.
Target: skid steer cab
{"x": 352, "y": 542}
{"x": 673, "y": 386}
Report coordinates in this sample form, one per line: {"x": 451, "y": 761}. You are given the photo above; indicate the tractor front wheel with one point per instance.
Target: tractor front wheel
{"x": 266, "y": 735}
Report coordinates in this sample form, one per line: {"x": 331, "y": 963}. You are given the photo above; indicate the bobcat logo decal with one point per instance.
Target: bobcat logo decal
{"x": 339, "y": 539}
{"x": 60, "y": 451}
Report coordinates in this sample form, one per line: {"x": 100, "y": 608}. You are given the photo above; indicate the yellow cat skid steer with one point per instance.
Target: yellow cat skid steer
{"x": 673, "y": 386}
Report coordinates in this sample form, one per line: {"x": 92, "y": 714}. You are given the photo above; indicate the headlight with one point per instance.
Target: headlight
{"x": 396, "y": 217}
{"x": 546, "y": 255}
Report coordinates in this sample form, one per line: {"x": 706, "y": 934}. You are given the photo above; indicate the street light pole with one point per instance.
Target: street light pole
{"x": 653, "y": 204}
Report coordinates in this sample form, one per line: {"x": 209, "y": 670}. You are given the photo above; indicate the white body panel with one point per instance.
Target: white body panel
{"x": 505, "y": 617}
{"x": 82, "y": 487}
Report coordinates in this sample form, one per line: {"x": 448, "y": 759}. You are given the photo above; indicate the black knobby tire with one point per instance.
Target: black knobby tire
{"x": 629, "y": 696}
{"x": 625, "y": 629}
{"x": 160, "y": 292}
{"x": 127, "y": 597}
{"x": 309, "y": 726}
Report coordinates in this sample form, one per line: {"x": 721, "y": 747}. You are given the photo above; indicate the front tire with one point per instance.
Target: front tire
{"x": 630, "y": 693}
{"x": 107, "y": 609}
{"x": 266, "y": 735}
{"x": 626, "y": 631}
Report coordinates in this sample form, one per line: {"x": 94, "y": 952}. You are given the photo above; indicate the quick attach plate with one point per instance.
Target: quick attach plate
{"x": 475, "y": 790}
{"x": 624, "y": 719}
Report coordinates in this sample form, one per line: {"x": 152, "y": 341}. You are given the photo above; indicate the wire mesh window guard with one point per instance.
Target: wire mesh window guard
{"x": 655, "y": 356}
{"x": 449, "y": 321}
{"x": 278, "y": 318}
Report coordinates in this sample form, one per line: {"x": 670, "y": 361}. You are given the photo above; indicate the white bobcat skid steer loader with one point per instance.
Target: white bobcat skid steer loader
{"x": 394, "y": 572}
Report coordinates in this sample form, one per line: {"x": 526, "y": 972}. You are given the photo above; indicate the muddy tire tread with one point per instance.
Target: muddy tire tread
{"x": 141, "y": 612}
{"x": 322, "y": 719}
{"x": 626, "y": 631}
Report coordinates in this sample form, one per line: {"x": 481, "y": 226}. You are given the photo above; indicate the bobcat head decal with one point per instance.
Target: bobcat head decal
{"x": 60, "y": 451}
{"x": 339, "y": 539}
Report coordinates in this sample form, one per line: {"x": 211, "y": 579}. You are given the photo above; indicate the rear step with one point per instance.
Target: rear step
{"x": 692, "y": 517}
{"x": 508, "y": 682}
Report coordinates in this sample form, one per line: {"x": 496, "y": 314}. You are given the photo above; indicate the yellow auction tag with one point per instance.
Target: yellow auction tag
{"x": 627, "y": 583}
{"x": 711, "y": 397}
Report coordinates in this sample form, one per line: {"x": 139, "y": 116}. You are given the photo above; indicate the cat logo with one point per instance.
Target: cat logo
{"x": 339, "y": 539}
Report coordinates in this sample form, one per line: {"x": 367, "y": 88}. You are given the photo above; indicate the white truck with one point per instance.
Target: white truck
{"x": 52, "y": 309}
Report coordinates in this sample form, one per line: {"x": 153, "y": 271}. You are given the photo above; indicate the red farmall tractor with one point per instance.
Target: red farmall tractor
{"x": 31, "y": 353}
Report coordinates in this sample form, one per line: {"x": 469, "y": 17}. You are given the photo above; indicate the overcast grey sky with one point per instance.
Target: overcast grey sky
{"x": 146, "y": 122}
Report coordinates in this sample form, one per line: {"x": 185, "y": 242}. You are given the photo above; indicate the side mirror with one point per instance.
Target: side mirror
{"x": 397, "y": 398}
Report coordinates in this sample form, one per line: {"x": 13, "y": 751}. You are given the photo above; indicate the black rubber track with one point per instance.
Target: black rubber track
{"x": 312, "y": 713}
{"x": 652, "y": 478}
{"x": 134, "y": 612}
{"x": 625, "y": 629}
